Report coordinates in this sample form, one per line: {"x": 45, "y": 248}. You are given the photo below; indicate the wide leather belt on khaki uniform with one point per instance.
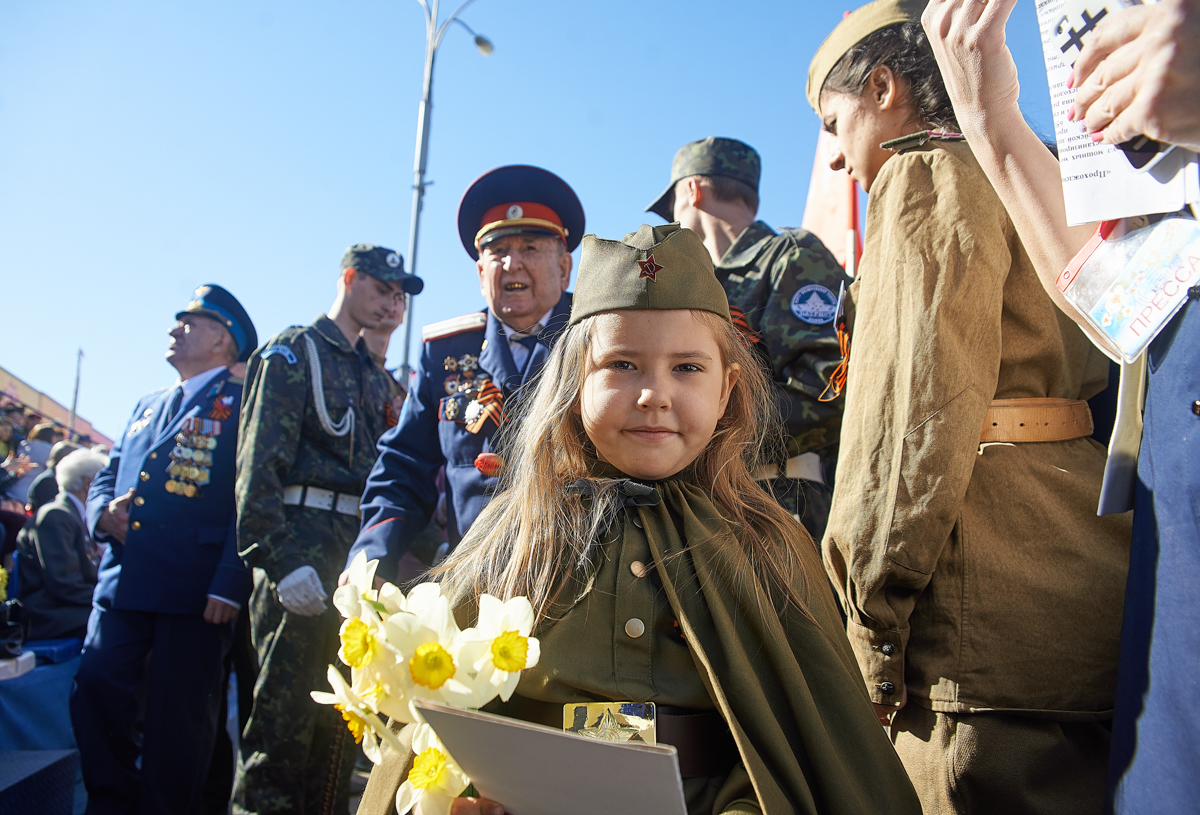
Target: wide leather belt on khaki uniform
{"x": 701, "y": 738}
{"x": 317, "y": 498}
{"x": 1030, "y": 420}
{"x": 806, "y": 466}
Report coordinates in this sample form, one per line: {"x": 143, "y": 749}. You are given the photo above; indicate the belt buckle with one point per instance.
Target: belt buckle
{"x": 612, "y": 721}
{"x": 318, "y": 498}
{"x": 347, "y": 504}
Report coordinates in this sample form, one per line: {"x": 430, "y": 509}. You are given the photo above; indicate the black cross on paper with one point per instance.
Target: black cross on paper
{"x": 1075, "y": 38}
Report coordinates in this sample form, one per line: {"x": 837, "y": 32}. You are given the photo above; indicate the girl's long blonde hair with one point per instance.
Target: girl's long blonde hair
{"x": 535, "y": 535}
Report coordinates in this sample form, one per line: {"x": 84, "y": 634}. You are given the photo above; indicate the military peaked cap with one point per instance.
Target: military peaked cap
{"x": 519, "y": 200}
{"x": 214, "y": 302}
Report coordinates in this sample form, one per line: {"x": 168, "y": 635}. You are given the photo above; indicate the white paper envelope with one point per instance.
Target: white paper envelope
{"x": 536, "y": 770}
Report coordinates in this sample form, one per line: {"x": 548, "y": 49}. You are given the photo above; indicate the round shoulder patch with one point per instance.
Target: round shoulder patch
{"x": 815, "y": 304}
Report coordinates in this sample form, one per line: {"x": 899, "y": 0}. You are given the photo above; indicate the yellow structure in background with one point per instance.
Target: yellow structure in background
{"x": 17, "y": 390}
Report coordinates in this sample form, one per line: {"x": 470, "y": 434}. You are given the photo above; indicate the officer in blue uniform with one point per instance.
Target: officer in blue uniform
{"x": 171, "y": 582}
{"x": 520, "y": 224}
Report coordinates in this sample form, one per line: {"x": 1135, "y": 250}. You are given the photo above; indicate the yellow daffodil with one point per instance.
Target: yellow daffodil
{"x": 431, "y": 665}
{"x": 426, "y": 637}
{"x": 360, "y": 646}
{"x": 499, "y": 647}
{"x": 363, "y": 723}
{"x": 434, "y": 780}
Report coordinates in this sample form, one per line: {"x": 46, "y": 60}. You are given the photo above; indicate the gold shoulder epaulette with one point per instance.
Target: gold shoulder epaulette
{"x": 915, "y": 140}
{"x": 455, "y": 325}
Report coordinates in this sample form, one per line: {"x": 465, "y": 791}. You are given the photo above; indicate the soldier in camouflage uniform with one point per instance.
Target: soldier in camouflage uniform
{"x": 783, "y": 290}
{"x": 314, "y": 407}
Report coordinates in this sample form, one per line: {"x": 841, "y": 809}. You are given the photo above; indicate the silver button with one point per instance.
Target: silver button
{"x": 635, "y": 628}
{"x": 638, "y": 568}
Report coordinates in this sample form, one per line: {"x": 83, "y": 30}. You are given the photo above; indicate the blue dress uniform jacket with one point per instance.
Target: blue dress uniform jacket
{"x": 178, "y": 550}
{"x": 401, "y": 492}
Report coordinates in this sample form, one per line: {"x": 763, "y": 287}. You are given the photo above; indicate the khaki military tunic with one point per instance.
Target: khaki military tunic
{"x": 682, "y": 626}
{"x": 980, "y": 577}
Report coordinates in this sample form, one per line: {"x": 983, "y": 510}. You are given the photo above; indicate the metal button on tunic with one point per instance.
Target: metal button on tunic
{"x": 635, "y": 628}
{"x": 638, "y": 568}
{"x": 139, "y": 501}
{"x": 888, "y": 649}
{"x": 135, "y": 526}
{"x": 145, "y": 476}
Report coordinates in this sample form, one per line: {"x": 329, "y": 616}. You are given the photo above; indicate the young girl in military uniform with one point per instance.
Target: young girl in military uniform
{"x": 659, "y": 571}
{"x": 983, "y": 593}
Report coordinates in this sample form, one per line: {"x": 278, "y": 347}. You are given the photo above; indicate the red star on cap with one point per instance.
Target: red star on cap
{"x": 649, "y": 268}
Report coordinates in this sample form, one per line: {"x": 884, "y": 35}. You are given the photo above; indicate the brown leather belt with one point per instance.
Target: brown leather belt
{"x": 701, "y": 737}
{"x": 1026, "y": 420}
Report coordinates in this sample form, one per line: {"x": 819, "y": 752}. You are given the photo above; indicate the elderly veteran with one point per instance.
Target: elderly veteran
{"x": 55, "y": 552}
{"x": 783, "y": 291}
{"x": 983, "y": 593}
{"x": 171, "y": 582}
{"x": 315, "y": 406}
{"x": 520, "y": 225}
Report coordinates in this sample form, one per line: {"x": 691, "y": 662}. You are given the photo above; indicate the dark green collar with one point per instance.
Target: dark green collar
{"x": 920, "y": 138}
{"x": 748, "y": 246}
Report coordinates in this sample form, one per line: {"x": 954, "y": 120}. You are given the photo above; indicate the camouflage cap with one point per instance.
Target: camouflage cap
{"x": 858, "y": 24}
{"x": 382, "y": 263}
{"x": 711, "y": 156}
{"x": 657, "y": 268}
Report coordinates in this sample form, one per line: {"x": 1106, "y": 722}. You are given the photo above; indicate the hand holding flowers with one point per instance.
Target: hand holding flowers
{"x": 402, "y": 648}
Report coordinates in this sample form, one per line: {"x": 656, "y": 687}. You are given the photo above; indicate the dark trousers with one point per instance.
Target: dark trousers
{"x": 178, "y": 659}
{"x": 296, "y": 755}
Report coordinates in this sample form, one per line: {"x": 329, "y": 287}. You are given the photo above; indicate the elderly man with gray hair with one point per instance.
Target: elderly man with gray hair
{"x": 56, "y": 556}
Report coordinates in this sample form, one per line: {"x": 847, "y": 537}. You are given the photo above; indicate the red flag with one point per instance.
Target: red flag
{"x": 831, "y": 211}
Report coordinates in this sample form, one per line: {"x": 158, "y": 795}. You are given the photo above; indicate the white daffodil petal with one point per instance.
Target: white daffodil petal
{"x": 533, "y": 651}
{"x": 406, "y": 798}
{"x": 392, "y": 598}
{"x": 509, "y": 685}
{"x": 347, "y": 600}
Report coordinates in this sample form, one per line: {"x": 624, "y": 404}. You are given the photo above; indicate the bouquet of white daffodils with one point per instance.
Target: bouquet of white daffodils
{"x": 402, "y": 648}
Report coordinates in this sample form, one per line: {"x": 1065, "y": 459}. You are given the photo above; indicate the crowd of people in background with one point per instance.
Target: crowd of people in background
{"x": 33, "y": 449}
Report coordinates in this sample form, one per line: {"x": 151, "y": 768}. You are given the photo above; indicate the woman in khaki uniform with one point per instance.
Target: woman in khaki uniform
{"x": 688, "y": 587}
{"x": 983, "y": 594}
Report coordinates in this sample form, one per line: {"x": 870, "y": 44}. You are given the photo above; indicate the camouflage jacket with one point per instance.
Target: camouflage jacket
{"x": 282, "y": 442}
{"x": 786, "y": 286}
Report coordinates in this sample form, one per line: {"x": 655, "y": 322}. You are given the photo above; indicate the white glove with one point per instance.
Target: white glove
{"x": 301, "y": 592}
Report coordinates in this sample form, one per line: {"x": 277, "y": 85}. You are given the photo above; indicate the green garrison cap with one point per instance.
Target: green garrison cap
{"x": 657, "y": 268}
{"x": 711, "y": 156}
{"x": 858, "y": 24}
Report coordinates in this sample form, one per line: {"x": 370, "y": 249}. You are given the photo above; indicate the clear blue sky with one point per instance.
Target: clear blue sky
{"x": 147, "y": 147}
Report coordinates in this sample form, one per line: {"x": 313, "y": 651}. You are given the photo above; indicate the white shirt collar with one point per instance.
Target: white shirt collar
{"x": 79, "y": 507}
{"x": 509, "y": 330}
{"x": 194, "y": 385}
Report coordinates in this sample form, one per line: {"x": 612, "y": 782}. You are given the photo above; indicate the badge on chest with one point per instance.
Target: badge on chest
{"x": 191, "y": 460}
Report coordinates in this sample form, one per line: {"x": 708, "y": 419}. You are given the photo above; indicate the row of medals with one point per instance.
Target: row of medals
{"x": 190, "y": 463}
{"x": 466, "y": 383}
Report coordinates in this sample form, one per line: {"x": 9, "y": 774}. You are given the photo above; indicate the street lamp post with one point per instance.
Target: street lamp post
{"x": 433, "y": 38}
